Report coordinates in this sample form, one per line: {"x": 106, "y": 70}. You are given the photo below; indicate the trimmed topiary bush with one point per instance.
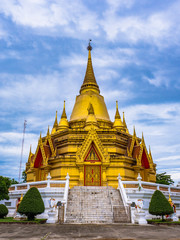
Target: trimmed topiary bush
{"x": 32, "y": 204}
{"x": 3, "y": 211}
{"x": 159, "y": 205}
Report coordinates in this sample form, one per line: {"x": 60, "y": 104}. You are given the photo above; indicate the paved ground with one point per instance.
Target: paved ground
{"x": 100, "y": 232}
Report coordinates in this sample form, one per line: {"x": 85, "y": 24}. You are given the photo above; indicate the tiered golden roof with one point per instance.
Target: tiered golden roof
{"x": 90, "y": 146}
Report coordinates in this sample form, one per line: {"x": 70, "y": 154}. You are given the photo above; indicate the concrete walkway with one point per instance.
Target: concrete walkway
{"x": 102, "y": 232}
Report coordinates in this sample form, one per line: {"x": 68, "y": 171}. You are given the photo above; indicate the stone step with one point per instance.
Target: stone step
{"x": 95, "y": 205}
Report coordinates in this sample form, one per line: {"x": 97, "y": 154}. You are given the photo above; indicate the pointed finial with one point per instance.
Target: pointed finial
{"x": 124, "y": 121}
{"x": 142, "y": 137}
{"x": 134, "y": 131}
{"x": 89, "y": 83}
{"x": 89, "y": 47}
{"x": 40, "y": 138}
{"x": 64, "y": 111}
{"x": 48, "y": 131}
{"x": 117, "y": 115}
{"x": 55, "y": 121}
{"x": 30, "y": 154}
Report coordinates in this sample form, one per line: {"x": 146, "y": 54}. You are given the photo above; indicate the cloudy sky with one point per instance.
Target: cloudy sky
{"x": 136, "y": 59}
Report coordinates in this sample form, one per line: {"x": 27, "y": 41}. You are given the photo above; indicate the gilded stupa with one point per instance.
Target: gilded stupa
{"x": 91, "y": 148}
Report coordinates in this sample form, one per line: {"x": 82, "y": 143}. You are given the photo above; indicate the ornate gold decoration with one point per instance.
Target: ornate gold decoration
{"x": 92, "y": 176}
{"x": 89, "y": 79}
{"x": 82, "y": 151}
{"x": 133, "y": 142}
{"x": 49, "y": 140}
{"x": 143, "y": 147}
{"x": 41, "y": 148}
{"x": 63, "y": 124}
{"x": 55, "y": 125}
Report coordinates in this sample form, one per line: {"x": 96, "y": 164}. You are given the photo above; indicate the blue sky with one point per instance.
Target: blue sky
{"x": 136, "y": 59}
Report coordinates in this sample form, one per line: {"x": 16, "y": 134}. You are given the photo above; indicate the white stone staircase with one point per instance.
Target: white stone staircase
{"x": 95, "y": 205}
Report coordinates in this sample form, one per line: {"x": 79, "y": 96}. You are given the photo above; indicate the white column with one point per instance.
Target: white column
{"x": 48, "y": 180}
{"x": 139, "y": 181}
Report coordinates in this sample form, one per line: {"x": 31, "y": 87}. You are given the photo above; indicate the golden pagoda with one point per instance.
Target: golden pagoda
{"x": 91, "y": 148}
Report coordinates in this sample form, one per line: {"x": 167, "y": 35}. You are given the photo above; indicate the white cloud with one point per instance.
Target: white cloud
{"x": 115, "y": 5}
{"x": 160, "y": 78}
{"x": 36, "y": 92}
{"x": 71, "y": 18}
{"x": 10, "y": 55}
{"x": 160, "y": 28}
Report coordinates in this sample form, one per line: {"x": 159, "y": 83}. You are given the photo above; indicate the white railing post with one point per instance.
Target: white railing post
{"x": 139, "y": 181}
{"x": 65, "y": 199}
{"x": 28, "y": 187}
{"x": 48, "y": 180}
{"x": 158, "y": 187}
{"x": 123, "y": 192}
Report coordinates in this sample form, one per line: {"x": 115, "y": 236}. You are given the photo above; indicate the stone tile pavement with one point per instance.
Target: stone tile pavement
{"x": 87, "y": 231}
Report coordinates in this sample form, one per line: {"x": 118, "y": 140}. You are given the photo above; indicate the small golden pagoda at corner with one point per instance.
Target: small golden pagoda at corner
{"x": 90, "y": 147}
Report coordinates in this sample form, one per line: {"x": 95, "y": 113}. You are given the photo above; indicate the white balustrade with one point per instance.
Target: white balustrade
{"x": 123, "y": 193}
{"x": 66, "y": 191}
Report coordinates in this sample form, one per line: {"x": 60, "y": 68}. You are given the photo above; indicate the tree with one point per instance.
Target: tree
{"x": 159, "y": 205}
{"x": 24, "y": 176}
{"x": 3, "y": 211}
{"x": 5, "y": 183}
{"x": 3, "y": 190}
{"x": 31, "y": 204}
{"x": 163, "y": 178}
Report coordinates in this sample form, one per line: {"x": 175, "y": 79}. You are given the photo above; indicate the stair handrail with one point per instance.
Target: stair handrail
{"x": 65, "y": 198}
{"x": 122, "y": 190}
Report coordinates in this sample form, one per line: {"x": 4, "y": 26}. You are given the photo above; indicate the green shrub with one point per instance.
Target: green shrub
{"x": 3, "y": 211}
{"x": 159, "y": 205}
{"x": 32, "y": 204}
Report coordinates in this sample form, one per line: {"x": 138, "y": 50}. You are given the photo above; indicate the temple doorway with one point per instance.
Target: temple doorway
{"x": 92, "y": 175}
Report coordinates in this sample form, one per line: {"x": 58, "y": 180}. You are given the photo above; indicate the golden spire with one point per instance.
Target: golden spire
{"x": 63, "y": 123}
{"x": 150, "y": 155}
{"x": 55, "y": 125}
{"x": 64, "y": 112}
{"x": 117, "y": 115}
{"x": 124, "y": 123}
{"x": 134, "y": 131}
{"x": 55, "y": 122}
{"x": 117, "y": 122}
{"x": 143, "y": 138}
{"x": 30, "y": 154}
{"x": 40, "y": 138}
{"x": 30, "y": 150}
{"x": 89, "y": 79}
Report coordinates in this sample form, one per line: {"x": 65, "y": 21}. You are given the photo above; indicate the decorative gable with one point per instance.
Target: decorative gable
{"x": 48, "y": 141}
{"x": 40, "y": 158}
{"x": 92, "y": 154}
{"x": 92, "y": 143}
{"x": 143, "y": 158}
